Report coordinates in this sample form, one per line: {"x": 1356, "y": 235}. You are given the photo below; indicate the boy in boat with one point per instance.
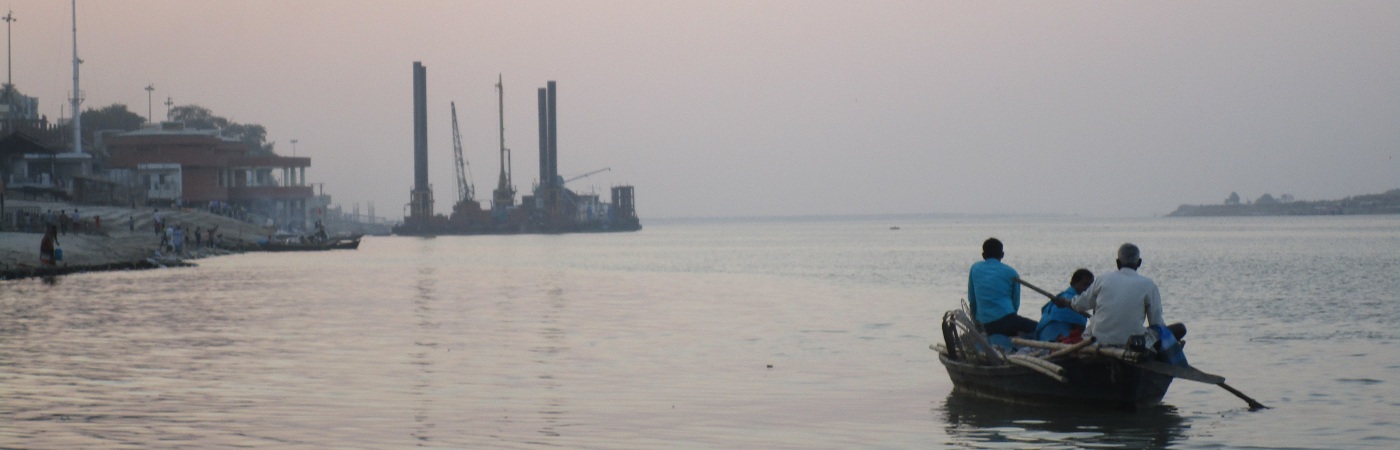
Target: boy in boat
{"x": 1121, "y": 301}
{"x": 994, "y": 295}
{"x": 1058, "y": 323}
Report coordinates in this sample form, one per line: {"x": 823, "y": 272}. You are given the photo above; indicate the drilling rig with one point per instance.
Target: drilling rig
{"x": 504, "y": 196}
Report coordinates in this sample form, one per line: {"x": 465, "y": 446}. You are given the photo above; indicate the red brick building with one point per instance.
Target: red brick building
{"x": 196, "y": 167}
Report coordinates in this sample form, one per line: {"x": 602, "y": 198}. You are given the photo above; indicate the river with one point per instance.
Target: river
{"x": 780, "y": 333}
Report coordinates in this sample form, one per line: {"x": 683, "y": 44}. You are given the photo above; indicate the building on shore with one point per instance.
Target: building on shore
{"x": 171, "y": 165}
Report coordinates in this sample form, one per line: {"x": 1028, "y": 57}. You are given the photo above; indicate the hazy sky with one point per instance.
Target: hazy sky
{"x": 715, "y": 108}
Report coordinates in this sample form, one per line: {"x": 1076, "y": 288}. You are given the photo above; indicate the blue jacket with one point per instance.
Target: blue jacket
{"x": 992, "y": 292}
{"x": 1056, "y": 322}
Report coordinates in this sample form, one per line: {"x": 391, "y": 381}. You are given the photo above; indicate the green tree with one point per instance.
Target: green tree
{"x": 199, "y": 117}
{"x": 110, "y": 117}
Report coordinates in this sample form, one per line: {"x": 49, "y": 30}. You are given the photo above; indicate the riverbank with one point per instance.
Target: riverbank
{"x": 125, "y": 240}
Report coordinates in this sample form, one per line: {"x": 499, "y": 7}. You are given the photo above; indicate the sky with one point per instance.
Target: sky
{"x": 775, "y": 108}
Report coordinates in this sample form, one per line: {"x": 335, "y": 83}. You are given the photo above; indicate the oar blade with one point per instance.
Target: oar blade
{"x": 1183, "y": 372}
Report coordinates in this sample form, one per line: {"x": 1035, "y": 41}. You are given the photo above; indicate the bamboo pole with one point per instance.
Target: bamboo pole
{"x": 1040, "y": 362}
{"x": 1072, "y": 348}
{"x": 1114, "y": 352}
{"x": 1033, "y": 364}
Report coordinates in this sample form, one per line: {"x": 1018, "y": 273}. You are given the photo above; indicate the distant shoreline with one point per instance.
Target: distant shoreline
{"x": 1383, "y": 203}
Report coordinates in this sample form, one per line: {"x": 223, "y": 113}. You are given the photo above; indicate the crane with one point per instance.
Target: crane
{"x": 605, "y": 169}
{"x": 464, "y": 182}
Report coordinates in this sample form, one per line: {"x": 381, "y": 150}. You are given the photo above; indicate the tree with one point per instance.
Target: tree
{"x": 1266, "y": 199}
{"x": 1233, "y": 199}
{"x": 200, "y": 118}
{"x": 197, "y": 117}
{"x": 110, "y": 117}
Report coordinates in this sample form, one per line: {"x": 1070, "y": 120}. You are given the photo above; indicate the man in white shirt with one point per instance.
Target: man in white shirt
{"x": 1120, "y": 301}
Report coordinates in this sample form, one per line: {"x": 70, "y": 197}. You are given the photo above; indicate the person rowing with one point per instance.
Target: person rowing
{"x": 1120, "y": 302}
{"x": 994, "y": 296}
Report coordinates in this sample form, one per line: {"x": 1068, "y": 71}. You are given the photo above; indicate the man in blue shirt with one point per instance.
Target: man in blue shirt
{"x": 1056, "y": 322}
{"x": 994, "y": 295}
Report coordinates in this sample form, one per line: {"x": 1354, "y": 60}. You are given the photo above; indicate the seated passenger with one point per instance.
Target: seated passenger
{"x": 1058, "y": 323}
{"x": 1121, "y": 301}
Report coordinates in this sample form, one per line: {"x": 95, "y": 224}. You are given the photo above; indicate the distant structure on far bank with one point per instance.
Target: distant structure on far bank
{"x": 1383, "y": 203}
{"x": 550, "y": 208}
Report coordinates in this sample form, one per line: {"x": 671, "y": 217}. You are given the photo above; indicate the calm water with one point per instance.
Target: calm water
{"x": 719, "y": 334}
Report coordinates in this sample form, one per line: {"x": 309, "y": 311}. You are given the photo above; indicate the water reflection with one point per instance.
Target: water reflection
{"x": 422, "y": 355}
{"x": 980, "y": 423}
{"x": 552, "y": 332}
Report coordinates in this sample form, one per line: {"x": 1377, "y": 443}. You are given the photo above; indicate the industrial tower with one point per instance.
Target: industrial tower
{"x": 420, "y": 203}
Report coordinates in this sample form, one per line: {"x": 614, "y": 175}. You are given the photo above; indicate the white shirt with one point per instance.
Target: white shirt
{"x": 1120, "y": 302}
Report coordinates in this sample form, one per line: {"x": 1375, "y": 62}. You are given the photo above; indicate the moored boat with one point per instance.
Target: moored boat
{"x": 309, "y": 246}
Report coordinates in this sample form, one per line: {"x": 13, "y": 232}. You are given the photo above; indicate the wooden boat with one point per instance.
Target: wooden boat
{"x": 309, "y": 246}
{"x": 1083, "y": 374}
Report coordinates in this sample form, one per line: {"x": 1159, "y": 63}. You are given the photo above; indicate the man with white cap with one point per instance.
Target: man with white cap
{"x": 1120, "y": 301}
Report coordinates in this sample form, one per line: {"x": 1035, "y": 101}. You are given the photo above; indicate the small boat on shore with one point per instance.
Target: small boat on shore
{"x": 1049, "y": 373}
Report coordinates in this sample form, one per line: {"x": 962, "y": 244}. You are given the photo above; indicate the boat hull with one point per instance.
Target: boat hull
{"x": 350, "y": 244}
{"x": 1090, "y": 382}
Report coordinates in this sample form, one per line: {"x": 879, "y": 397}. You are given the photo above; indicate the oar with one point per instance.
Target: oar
{"x": 1186, "y": 372}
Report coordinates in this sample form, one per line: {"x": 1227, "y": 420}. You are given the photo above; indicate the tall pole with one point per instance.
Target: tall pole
{"x": 501, "y": 105}
{"x": 294, "y": 147}
{"x": 77, "y": 94}
{"x": 168, "y": 102}
{"x": 9, "y": 48}
{"x": 149, "y": 88}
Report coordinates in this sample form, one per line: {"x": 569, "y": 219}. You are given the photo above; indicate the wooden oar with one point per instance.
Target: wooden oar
{"x": 1183, "y": 372}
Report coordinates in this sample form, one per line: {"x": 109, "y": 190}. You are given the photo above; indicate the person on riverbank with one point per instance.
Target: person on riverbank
{"x": 47, "y": 246}
{"x": 1120, "y": 302}
{"x": 1058, "y": 323}
{"x": 994, "y": 295}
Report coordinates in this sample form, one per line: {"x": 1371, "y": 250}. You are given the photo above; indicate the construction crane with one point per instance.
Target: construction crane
{"x": 586, "y": 175}
{"x": 465, "y": 187}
